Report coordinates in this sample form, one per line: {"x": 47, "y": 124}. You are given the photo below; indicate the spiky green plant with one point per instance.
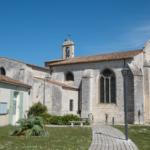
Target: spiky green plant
{"x": 32, "y": 126}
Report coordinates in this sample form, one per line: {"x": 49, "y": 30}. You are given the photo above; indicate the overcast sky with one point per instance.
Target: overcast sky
{"x": 34, "y": 30}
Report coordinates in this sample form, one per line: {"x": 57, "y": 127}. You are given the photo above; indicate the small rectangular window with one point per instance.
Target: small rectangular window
{"x": 71, "y": 105}
{"x": 3, "y": 108}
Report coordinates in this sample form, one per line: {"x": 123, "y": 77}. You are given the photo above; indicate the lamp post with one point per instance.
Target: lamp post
{"x": 125, "y": 73}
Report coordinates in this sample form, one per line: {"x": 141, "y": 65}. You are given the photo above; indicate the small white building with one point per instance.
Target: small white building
{"x": 12, "y": 100}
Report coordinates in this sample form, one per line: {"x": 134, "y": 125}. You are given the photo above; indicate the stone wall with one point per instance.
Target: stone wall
{"x": 56, "y": 100}
{"x": 90, "y": 89}
{"x": 66, "y": 97}
{"x": 146, "y": 88}
{"x": 4, "y": 97}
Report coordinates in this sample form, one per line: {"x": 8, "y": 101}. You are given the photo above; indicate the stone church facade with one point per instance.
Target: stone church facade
{"x": 92, "y": 87}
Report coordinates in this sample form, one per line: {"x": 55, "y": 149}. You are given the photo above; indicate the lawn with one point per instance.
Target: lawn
{"x": 60, "y": 138}
{"x": 140, "y": 135}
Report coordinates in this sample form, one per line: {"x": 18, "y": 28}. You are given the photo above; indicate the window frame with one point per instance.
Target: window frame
{"x": 107, "y": 89}
{"x": 6, "y": 110}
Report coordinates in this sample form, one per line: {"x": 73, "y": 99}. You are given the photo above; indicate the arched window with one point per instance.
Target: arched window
{"x": 67, "y": 52}
{"x": 107, "y": 87}
{"x": 2, "y": 71}
{"x": 69, "y": 76}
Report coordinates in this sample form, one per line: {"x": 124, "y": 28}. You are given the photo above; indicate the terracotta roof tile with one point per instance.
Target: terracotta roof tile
{"x": 97, "y": 58}
{"x": 8, "y": 80}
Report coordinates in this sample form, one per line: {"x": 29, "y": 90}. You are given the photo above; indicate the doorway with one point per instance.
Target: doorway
{"x": 15, "y": 107}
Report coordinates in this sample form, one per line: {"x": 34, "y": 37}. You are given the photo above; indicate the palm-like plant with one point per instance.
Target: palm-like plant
{"x": 32, "y": 126}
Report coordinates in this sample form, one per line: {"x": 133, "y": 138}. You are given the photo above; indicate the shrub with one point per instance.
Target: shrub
{"x": 37, "y": 109}
{"x": 32, "y": 126}
{"x": 59, "y": 120}
{"x": 67, "y": 118}
{"x": 46, "y": 117}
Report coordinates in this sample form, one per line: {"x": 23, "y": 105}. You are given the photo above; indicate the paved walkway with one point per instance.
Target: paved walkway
{"x": 108, "y": 138}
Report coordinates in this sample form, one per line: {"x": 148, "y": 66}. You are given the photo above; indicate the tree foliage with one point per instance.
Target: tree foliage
{"x": 37, "y": 109}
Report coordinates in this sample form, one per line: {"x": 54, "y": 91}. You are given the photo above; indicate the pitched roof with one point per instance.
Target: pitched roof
{"x": 35, "y": 67}
{"x": 58, "y": 83}
{"x": 8, "y": 80}
{"x": 96, "y": 58}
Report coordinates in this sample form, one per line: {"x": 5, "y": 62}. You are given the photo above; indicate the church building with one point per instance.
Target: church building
{"x": 92, "y": 87}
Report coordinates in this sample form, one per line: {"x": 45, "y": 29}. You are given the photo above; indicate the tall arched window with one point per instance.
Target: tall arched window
{"x": 69, "y": 76}
{"x": 2, "y": 71}
{"x": 107, "y": 87}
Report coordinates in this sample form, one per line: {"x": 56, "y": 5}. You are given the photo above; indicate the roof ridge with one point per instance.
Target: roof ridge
{"x": 59, "y": 83}
{"x": 116, "y": 52}
{"x": 33, "y": 66}
{"x": 9, "y": 80}
{"x": 96, "y": 58}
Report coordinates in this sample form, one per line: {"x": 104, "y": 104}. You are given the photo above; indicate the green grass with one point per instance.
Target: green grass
{"x": 59, "y": 139}
{"x": 140, "y": 135}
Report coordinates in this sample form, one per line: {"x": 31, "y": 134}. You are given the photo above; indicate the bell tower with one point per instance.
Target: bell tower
{"x": 68, "y": 49}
